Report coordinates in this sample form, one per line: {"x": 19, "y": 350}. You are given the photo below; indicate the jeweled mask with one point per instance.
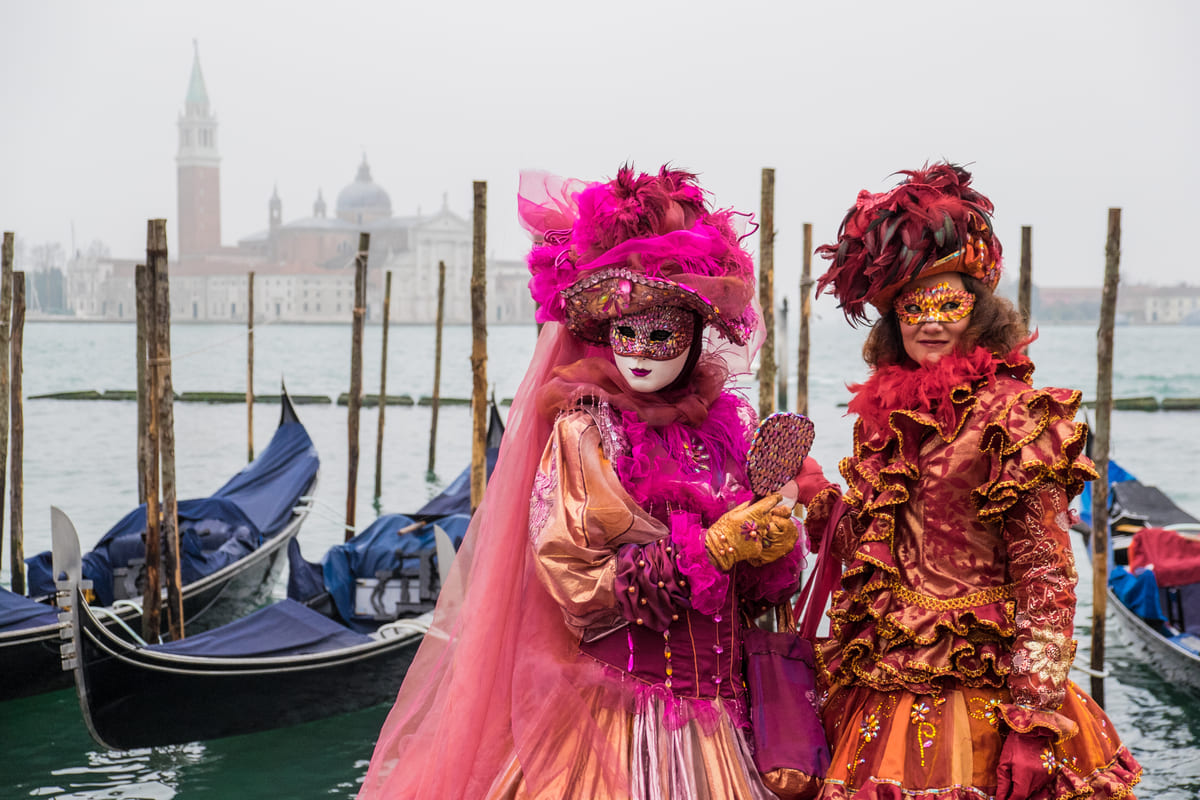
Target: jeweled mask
{"x": 659, "y": 334}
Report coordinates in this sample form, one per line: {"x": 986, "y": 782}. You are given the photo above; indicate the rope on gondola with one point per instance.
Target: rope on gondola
{"x": 1087, "y": 670}
{"x": 327, "y": 512}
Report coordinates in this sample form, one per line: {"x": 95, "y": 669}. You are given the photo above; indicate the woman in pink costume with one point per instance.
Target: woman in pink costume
{"x": 587, "y": 643}
{"x": 952, "y": 629}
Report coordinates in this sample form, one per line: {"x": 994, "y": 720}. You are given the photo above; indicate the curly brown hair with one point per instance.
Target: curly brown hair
{"x": 995, "y": 324}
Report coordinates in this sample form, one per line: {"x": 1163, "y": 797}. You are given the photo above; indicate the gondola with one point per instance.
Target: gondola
{"x": 341, "y": 641}
{"x": 233, "y": 543}
{"x": 1154, "y": 578}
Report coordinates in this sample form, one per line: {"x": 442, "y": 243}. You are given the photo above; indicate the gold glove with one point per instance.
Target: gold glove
{"x": 780, "y": 538}
{"x": 737, "y": 535}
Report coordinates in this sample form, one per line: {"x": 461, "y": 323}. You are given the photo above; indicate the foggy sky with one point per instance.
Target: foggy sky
{"x": 1062, "y": 109}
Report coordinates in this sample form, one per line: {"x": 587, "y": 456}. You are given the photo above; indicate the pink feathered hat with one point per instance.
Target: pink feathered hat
{"x": 607, "y": 250}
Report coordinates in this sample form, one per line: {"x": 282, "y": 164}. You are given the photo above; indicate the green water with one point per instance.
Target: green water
{"x": 81, "y": 457}
{"x": 47, "y": 753}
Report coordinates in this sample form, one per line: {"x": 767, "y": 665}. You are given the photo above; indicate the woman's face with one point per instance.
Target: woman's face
{"x": 933, "y": 313}
{"x": 650, "y": 349}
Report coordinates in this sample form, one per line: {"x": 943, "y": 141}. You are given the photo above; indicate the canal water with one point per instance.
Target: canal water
{"x": 81, "y": 456}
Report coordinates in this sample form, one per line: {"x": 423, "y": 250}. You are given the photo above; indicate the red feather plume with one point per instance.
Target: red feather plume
{"x": 887, "y": 239}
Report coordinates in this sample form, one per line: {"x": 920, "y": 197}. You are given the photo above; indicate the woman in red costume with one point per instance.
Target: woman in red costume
{"x": 587, "y": 643}
{"x": 952, "y": 629}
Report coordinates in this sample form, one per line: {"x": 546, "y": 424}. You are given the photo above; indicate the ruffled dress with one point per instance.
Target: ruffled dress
{"x": 953, "y": 624}
{"x": 617, "y": 522}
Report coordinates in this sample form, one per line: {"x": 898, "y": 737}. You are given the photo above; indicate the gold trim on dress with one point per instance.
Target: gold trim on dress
{"x": 983, "y": 597}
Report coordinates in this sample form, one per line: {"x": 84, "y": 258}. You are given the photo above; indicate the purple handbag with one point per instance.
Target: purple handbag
{"x": 790, "y": 750}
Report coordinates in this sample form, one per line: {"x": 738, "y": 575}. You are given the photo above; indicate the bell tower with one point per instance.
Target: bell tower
{"x": 199, "y": 170}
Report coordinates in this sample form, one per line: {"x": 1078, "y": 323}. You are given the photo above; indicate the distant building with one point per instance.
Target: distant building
{"x": 1137, "y": 304}
{"x": 1173, "y": 305}
{"x": 304, "y": 268}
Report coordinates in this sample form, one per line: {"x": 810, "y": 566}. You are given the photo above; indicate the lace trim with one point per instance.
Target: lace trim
{"x": 542, "y": 498}
{"x": 612, "y": 435}
{"x": 1046, "y": 654}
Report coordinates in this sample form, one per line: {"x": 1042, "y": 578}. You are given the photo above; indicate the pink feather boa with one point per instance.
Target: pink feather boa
{"x": 656, "y": 470}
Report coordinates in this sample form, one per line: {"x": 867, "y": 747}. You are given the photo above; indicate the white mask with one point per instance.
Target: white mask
{"x": 647, "y": 375}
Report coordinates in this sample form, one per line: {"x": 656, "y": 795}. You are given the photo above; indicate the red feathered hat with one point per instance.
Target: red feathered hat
{"x": 933, "y": 222}
{"x": 607, "y": 250}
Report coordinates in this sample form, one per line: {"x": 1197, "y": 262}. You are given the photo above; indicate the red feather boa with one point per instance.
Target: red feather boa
{"x": 928, "y": 389}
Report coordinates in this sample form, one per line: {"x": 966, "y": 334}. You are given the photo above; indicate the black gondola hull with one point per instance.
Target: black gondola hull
{"x": 1175, "y": 664}
{"x": 135, "y": 697}
{"x": 31, "y": 656}
{"x": 32, "y": 664}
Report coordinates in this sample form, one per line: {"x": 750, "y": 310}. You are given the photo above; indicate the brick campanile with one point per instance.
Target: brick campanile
{"x": 199, "y": 170}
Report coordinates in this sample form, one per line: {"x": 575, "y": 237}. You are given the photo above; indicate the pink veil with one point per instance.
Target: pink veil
{"x": 498, "y": 675}
{"x": 483, "y": 682}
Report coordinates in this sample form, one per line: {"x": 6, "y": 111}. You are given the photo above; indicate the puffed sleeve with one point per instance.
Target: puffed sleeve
{"x": 597, "y": 552}
{"x": 1042, "y": 570}
{"x": 1037, "y": 466}
{"x": 818, "y": 523}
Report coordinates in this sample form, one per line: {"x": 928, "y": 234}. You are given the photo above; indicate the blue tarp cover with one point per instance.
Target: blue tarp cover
{"x": 214, "y": 531}
{"x": 1116, "y": 474}
{"x": 18, "y": 612}
{"x": 280, "y": 629}
{"x": 456, "y": 497}
{"x": 1138, "y": 591}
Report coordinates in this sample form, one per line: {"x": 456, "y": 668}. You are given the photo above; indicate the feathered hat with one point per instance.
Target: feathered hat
{"x": 607, "y": 250}
{"x": 933, "y": 222}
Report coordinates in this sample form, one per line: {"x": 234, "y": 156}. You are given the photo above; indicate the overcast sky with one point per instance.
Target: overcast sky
{"x": 1063, "y": 109}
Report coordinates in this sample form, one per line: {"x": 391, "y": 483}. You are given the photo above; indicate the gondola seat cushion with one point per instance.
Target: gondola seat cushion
{"x": 1174, "y": 556}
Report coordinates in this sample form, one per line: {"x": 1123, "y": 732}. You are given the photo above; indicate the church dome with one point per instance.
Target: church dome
{"x": 363, "y": 200}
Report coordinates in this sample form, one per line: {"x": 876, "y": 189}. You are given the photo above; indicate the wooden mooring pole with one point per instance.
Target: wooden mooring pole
{"x": 250, "y": 366}
{"x": 1025, "y": 286}
{"x": 479, "y": 346}
{"x": 354, "y": 403}
{"x": 17, "y": 455}
{"x": 148, "y": 451}
{"x": 781, "y": 382}
{"x": 141, "y": 287}
{"x": 1104, "y": 357}
{"x": 437, "y": 367}
{"x": 156, "y": 258}
{"x": 6, "y": 290}
{"x": 805, "y": 311}
{"x": 766, "y": 295}
{"x": 383, "y": 359}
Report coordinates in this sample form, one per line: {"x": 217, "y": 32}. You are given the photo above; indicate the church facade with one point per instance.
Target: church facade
{"x": 303, "y": 268}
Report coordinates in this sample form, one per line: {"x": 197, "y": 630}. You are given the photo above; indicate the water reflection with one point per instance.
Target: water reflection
{"x": 145, "y": 774}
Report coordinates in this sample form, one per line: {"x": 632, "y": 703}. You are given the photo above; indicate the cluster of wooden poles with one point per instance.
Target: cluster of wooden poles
{"x": 156, "y": 437}
{"x": 773, "y": 380}
{"x": 478, "y": 363}
{"x": 156, "y": 442}
{"x": 156, "y": 457}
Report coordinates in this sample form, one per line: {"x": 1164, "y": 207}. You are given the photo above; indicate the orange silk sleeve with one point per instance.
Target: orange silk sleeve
{"x": 579, "y": 516}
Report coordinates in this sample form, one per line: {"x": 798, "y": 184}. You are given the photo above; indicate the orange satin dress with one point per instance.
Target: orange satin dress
{"x": 954, "y": 620}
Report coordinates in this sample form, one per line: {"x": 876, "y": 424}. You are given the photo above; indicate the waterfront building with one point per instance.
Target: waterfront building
{"x": 304, "y": 268}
